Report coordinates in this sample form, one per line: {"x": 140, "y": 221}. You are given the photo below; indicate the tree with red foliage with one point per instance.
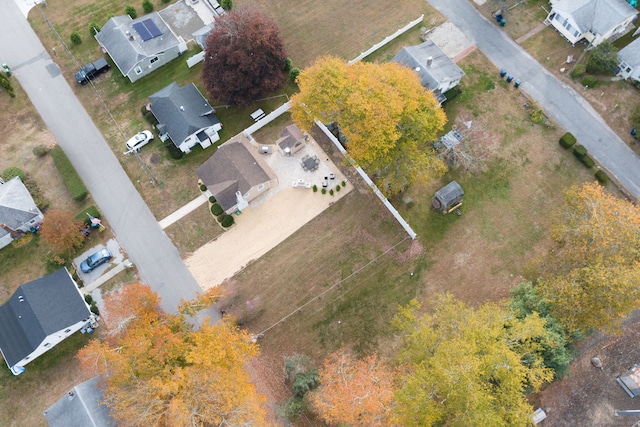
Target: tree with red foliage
{"x": 245, "y": 57}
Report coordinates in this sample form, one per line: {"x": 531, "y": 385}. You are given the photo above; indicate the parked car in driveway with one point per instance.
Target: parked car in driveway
{"x": 139, "y": 140}
{"x": 95, "y": 260}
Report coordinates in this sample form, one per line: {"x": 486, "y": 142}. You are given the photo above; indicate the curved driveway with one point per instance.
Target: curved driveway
{"x": 156, "y": 258}
{"x": 568, "y": 108}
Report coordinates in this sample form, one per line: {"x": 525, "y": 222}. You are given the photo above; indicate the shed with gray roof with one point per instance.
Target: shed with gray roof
{"x": 81, "y": 407}
{"x": 140, "y": 46}
{"x": 236, "y": 174}
{"x": 38, "y": 316}
{"x": 436, "y": 70}
{"x": 185, "y": 116}
{"x": 18, "y": 211}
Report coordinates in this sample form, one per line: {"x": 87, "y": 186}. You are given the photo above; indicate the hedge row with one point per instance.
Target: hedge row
{"x": 69, "y": 175}
{"x": 567, "y": 140}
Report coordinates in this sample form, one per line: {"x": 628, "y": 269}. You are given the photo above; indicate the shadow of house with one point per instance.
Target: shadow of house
{"x": 82, "y": 406}
{"x": 436, "y": 70}
{"x": 591, "y": 20}
{"x": 18, "y": 211}
{"x": 185, "y": 116}
{"x": 291, "y": 140}
{"x": 140, "y": 46}
{"x": 236, "y": 174}
{"x": 40, "y": 315}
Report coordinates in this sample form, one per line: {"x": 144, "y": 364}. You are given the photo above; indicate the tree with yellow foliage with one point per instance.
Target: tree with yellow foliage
{"x": 590, "y": 279}
{"x": 158, "y": 371}
{"x": 354, "y": 392}
{"x": 468, "y": 367}
{"x": 387, "y": 117}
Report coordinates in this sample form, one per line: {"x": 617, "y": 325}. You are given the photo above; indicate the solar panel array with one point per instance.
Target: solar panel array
{"x": 147, "y": 29}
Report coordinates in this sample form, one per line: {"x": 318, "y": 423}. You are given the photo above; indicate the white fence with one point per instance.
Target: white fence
{"x": 268, "y": 118}
{"x": 371, "y": 184}
{"x": 387, "y": 40}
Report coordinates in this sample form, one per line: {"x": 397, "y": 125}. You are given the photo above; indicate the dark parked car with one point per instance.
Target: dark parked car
{"x": 90, "y": 71}
{"x": 95, "y": 260}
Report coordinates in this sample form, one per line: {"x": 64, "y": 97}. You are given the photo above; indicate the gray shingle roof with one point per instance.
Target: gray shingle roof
{"x": 37, "y": 309}
{"x": 232, "y": 168}
{"x": 16, "y": 205}
{"x": 182, "y": 111}
{"x": 599, "y": 15}
{"x": 125, "y": 46}
{"x": 630, "y": 54}
{"x": 82, "y": 407}
{"x": 442, "y": 68}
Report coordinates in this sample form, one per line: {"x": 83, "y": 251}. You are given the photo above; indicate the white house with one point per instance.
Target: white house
{"x": 629, "y": 60}
{"x": 40, "y": 315}
{"x": 140, "y": 46}
{"x": 185, "y": 116}
{"x": 18, "y": 211}
{"x": 591, "y": 20}
{"x": 436, "y": 70}
{"x": 236, "y": 174}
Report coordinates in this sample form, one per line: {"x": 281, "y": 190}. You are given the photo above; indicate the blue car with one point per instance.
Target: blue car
{"x": 95, "y": 260}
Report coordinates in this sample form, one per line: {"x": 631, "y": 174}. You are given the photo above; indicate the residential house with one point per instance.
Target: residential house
{"x": 39, "y": 315}
{"x": 436, "y": 70}
{"x": 591, "y": 20}
{"x": 82, "y": 406}
{"x": 140, "y": 46}
{"x": 236, "y": 174}
{"x": 185, "y": 116}
{"x": 291, "y": 140}
{"x": 629, "y": 60}
{"x": 18, "y": 211}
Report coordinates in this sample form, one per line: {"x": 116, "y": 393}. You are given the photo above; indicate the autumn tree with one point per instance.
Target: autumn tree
{"x": 158, "y": 371}
{"x": 354, "y": 392}
{"x": 467, "y": 367}
{"x": 388, "y": 119}
{"x": 590, "y": 279}
{"x": 245, "y": 57}
{"x": 61, "y": 230}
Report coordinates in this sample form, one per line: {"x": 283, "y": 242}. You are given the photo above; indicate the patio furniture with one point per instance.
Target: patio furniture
{"x": 258, "y": 114}
{"x": 310, "y": 163}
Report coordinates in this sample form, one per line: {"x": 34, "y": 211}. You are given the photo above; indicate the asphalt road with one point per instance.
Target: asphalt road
{"x": 570, "y": 110}
{"x": 148, "y": 247}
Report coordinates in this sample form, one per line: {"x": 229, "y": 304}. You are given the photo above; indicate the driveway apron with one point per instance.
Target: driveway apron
{"x": 156, "y": 258}
{"x": 570, "y": 110}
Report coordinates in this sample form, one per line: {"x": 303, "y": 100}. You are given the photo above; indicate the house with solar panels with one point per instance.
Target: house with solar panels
{"x": 140, "y": 46}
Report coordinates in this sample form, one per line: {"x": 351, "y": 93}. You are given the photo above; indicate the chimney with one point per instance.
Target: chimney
{"x": 429, "y": 61}
{"x": 181, "y": 108}
{"x": 129, "y": 35}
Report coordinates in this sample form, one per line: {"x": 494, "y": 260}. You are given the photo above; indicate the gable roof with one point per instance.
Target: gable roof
{"x": 37, "y": 309}
{"x": 598, "y": 15}
{"x": 16, "y": 205}
{"x": 441, "y": 67}
{"x": 126, "y": 45}
{"x": 630, "y": 54}
{"x": 233, "y": 167}
{"x": 289, "y": 136}
{"x": 181, "y": 111}
{"x": 82, "y": 406}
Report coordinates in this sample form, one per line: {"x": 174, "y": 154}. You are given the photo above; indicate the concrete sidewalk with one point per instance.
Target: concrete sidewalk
{"x": 108, "y": 275}
{"x": 185, "y": 210}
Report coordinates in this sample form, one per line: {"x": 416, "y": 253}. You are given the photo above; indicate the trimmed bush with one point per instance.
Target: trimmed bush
{"x": 131, "y": 11}
{"x": 220, "y": 217}
{"x": 579, "y": 151}
{"x": 227, "y": 221}
{"x": 75, "y": 38}
{"x": 315, "y": 188}
{"x": 94, "y": 309}
{"x": 216, "y": 209}
{"x": 11, "y": 172}
{"x": 589, "y": 81}
{"x": 212, "y": 199}
{"x": 174, "y": 152}
{"x": 323, "y": 191}
{"x": 337, "y": 188}
{"x": 40, "y": 150}
{"x": 69, "y": 175}
{"x": 602, "y": 177}
{"x": 88, "y": 299}
{"x": 226, "y": 4}
{"x": 294, "y": 73}
{"x": 343, "y": 183}
{"x": 587, "y": 161}
{"x": 287, "y": 64}
{"x": 567, "y": 140}
{"x": 331, "y": 192}
{"x": 93, "y": 28}
{"x": 203, "y": 188}
{"x": 579, "y": 71}
{"x": 147, "y": 6}
{"x": 91, "y": 210}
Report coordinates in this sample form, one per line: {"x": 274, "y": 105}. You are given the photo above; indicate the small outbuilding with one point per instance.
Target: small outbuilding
{"x": 630, "y": 381}
{"x": 448, "y": 198}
